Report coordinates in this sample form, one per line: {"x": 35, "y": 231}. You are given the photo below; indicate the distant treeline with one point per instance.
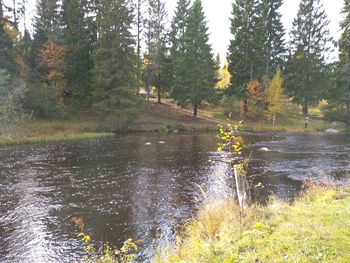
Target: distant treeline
{"x": 94, "y": 55}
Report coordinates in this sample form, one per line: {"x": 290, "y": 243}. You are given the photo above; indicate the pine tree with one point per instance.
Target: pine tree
{"x": 156, "y": 45}
{"x": 273, "y": 31}
{"x": 114, "y": 59}
{"x": 198, "y": 67}
{"x": 309, "y": 44}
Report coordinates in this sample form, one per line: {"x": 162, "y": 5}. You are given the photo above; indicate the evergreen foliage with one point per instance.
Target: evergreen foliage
{"x": 341, "y": 91}
{"x": 156, "y": 41}
{"x": 273, "y": 32}
{"x": 78, "y": 62}
{"x": 177, "y": 41}
{"x": 114, "y": 59}
{"x": 246, "y": 45}
{"x": 306, "y": 71}
{"x": 198, "y": 67}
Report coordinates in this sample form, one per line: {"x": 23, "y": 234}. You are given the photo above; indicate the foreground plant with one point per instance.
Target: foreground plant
{"x": 106, "y": 253}
{"x": 232, "y": 144}
{"x": 314, "y": 228}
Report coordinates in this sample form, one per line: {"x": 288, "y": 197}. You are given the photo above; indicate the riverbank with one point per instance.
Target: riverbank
{"x": 315, "y": 228}
{"x": 165, "y": 117}
{"x": 51, "y": 131}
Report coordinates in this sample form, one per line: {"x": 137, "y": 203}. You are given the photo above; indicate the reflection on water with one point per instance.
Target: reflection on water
{"x": 137, "y": 186}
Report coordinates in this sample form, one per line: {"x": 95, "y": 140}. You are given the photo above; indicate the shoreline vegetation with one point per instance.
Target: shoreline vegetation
{"x": 313, "y": 228}
{"x": 165, "y": 117}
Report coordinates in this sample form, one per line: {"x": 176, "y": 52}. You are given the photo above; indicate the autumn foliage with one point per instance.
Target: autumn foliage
{"x": 53, "y": 56}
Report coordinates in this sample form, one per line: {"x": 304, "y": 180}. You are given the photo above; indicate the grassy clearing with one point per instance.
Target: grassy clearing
{"x": 315, "y": 228}
{"x": 168, "y": 116}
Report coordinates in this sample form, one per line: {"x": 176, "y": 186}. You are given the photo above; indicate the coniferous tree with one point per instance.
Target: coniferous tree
{"x": 156, "y": 42}
{"x": 41, "y": 95}
{"x": 310, "y": 41}
{"x": 140, "y": 26}
{"x": 273, "y": 30}
{"x": 114, "y": 59}
{"x": 245, "y": 50}
{"x": 177, "y": 41}
{"x": 341, "y": 92}
{"x": 4, "y": 40}
{"x": 198, "y": 67}
{"x": 78, "y": 62}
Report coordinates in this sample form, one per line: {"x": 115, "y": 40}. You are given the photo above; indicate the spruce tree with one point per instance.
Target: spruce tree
{"x": 341, "y": 93}
{"x": 2, "y": 36}
{"x": 78, "y": 62}
{"x": 245, "y": 55}
{"x": 273, "y": 30}
{"x": 41, "y": 97}
{"x": 140, "y": 26}
{"x": 177, "y": 40}
{"x": 198, "y": 67}
{"x": 114, "y": 59}
{"x": 309, "y": 44}
{"x": 4, "y": 40}
{"x": 156, "y": 41}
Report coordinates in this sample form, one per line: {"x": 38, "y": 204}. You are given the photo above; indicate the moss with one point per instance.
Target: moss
{"x": 315, "y": 228}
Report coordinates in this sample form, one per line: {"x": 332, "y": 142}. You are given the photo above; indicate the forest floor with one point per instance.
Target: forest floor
{"x": 153, "y": 117}
{"x": 314, "y": 228}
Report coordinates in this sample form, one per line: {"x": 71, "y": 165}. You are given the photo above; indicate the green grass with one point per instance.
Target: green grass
{"x": 315, "y": 228}
{"x": 10, "y": 140}
{"x": 50, "y": 131}
{"x": 166, "y": 117}
{"x": 169, "y": 117}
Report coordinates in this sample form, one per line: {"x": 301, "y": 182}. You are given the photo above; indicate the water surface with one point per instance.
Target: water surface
{"x": 139, "y": 186}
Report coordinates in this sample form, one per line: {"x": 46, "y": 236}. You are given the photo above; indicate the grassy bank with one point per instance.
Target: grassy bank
{"x": 154, "y": 117}
{"x": 167, "y": 116}
{"x": 49, "y": 131}
{"x": 315, "y": 228}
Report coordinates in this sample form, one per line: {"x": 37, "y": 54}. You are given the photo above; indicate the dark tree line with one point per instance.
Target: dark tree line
{"x": 88, "y": 55}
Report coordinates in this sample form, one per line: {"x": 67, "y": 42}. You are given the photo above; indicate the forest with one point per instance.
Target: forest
{"x": 88, "y": 57}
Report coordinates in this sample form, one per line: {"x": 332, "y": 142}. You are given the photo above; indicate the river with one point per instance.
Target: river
{"x": 143, "y": 186}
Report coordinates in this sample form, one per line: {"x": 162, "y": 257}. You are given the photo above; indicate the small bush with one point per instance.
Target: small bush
{"x": 335, "y": 112}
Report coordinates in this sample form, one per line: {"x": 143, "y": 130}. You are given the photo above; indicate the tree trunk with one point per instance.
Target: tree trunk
{"x": 305, "y": 108}
{"x": 242, "y": 186}
{"x": 348, "y": 112}
{"x": 159, "y": 97}
{"x": 245, "y": 108}
{"x": 195, "y": 111}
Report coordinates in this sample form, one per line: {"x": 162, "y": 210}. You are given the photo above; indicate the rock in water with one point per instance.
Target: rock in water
{"x": 264, "y": 149}
{"x": 148, "y": 143}
{"x": 331, "y": 131}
